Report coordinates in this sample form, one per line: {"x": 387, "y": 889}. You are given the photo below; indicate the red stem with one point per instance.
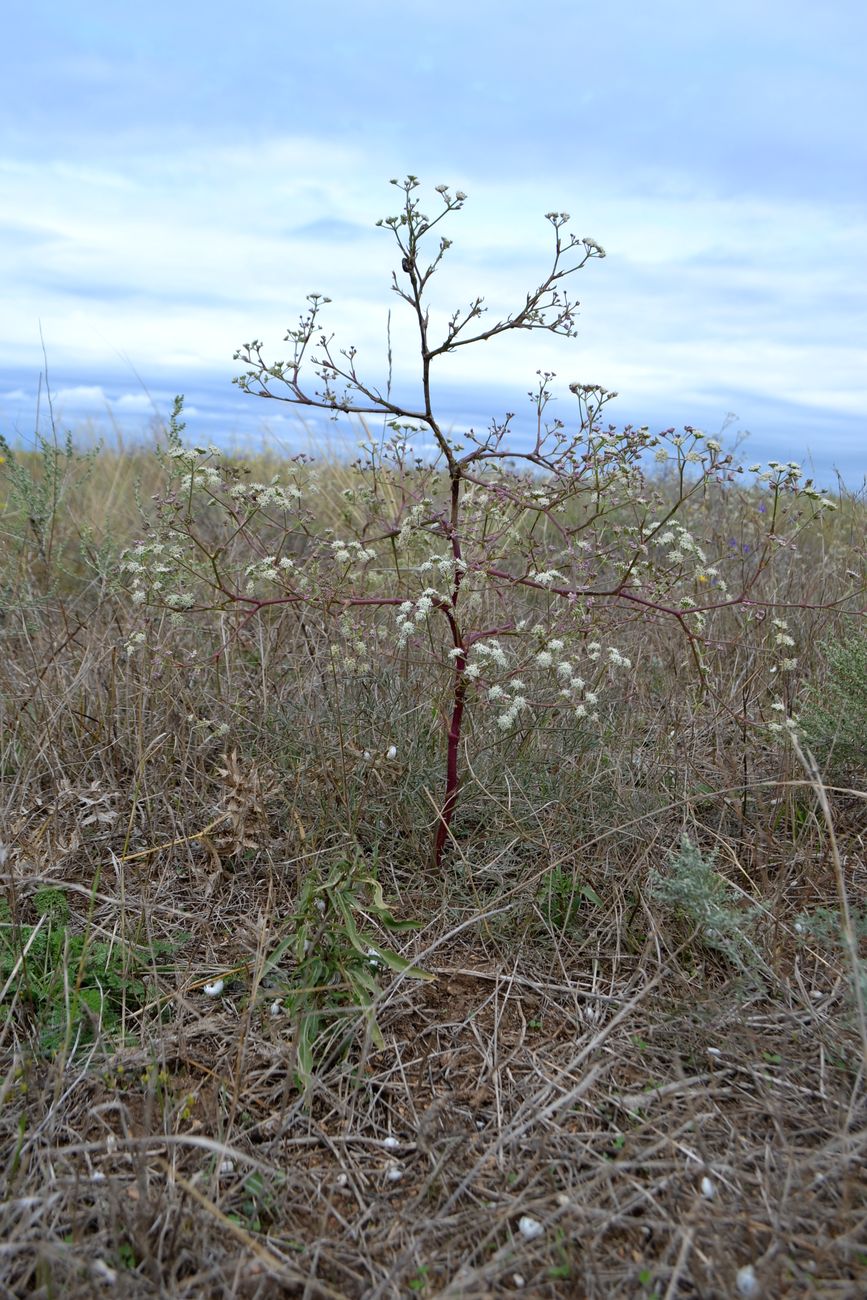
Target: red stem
{"x": 454, "y": 740}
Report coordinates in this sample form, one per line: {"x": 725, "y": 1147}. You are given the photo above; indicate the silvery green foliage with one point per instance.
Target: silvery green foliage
{"x": 37, "y": 490}
{"x": 834, "y": 718}
{"x": 696, "y": 893}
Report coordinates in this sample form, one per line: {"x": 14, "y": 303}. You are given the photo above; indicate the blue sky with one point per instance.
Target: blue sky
{"x": 175, "y": 178}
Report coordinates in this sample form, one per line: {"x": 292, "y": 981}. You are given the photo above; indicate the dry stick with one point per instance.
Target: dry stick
{"x": 9, "y": 1020}
{"x": 171, "y": 844}
{"x": 680, "y": 1263}
{"x": 23, "y": 955}
{"x": 113, "y": 1144}
{"x": 811, "y": 768}
{"x": 536, "y": 985}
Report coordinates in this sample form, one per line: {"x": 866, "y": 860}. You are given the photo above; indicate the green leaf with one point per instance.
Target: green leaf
{"x": 362, "y": 981}
{"x": 396, "y": 963}
{"x": 383, "y": 911}
{"x": 308, "y": 1032}
{"x": 279, "y": 953}
{"x": 342, "y": 904}
{"x": 590, "y": 894}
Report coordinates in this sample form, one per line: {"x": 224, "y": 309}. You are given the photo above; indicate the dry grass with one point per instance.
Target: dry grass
{"x": 582, "y": 1056}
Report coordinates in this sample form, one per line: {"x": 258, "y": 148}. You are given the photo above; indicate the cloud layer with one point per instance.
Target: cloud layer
{"x": 178, "y": 185}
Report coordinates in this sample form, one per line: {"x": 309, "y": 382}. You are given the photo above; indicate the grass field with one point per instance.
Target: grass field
{"x": 253, "y": 1044}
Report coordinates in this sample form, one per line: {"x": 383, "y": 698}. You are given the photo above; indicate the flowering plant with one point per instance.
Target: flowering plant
{"x": 430, "y": 555}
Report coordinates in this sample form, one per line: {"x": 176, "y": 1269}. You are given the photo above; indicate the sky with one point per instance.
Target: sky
{"x": 176, "y": 178}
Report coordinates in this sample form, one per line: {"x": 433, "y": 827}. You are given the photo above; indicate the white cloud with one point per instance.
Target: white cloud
{"x": 133, "y": 403}
{"x": 81, "y": 395}
{"x": 93, "y": 399}
{"x": 176, "y": 260}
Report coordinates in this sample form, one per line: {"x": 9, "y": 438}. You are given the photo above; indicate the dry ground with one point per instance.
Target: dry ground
{"x": 663, "y": 1126}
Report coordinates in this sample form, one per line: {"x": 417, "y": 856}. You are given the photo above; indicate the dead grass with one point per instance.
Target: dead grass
{"x": 591, "y": 1065}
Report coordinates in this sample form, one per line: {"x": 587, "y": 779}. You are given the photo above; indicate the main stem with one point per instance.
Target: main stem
{"x": 454, "y": 740}
{"x": 459, "y": 690}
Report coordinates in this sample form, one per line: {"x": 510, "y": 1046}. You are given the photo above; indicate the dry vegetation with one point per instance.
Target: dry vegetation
{"x": 595, "y": 1095}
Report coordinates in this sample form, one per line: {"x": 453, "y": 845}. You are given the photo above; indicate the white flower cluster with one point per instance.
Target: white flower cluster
{"x": 683, "y": 547}
{"x": 152, "y": 565}
{"x": 788, "y": 476}
{"x": 491, "y": 652}
{"x": 483, "y": 656}
{"x": 696, "y": 436}
{"x": 782, "y": 637}
{"x": 268, "y": 494}
{"x": 549, "y": 658}
{"x": 206, "y": 476}
{"x": 411, "y": 520}
{"x": 683, "y": 544}
{"x": 779, "y": 475}
{"x": 574, "y": 689}
{"x": 352, "y": 654}
{"x": 548, "y": 577}
{"x": 412, "y": 613}
{"x": 351, "y": 553}
{"x": 515, "y": 703}
{"x": 267, "y": 569}
{"x": 699, "y": 621}
{"x": 595, "y": 652}
{"x": 783, "y": 641}
{"x": 618, "y": 660}
{"x": 135, "y": 642}
{"x": 445, "y": 565}
{"x": 190, "y": 454}
{"x": 792, "y": 466}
